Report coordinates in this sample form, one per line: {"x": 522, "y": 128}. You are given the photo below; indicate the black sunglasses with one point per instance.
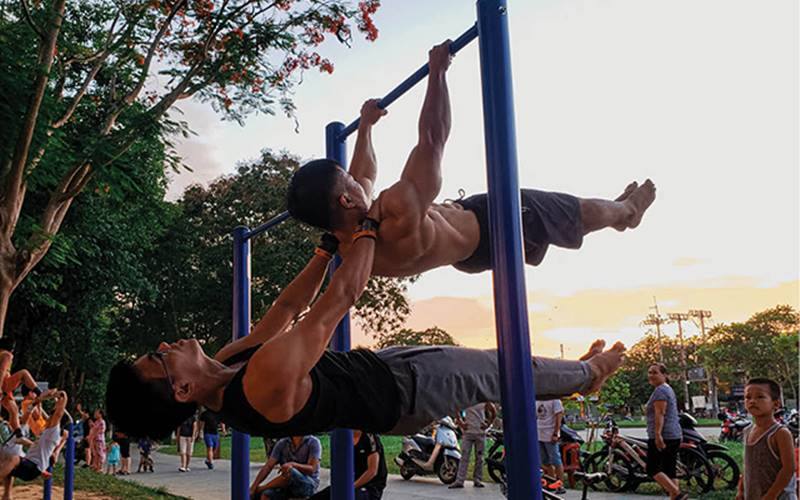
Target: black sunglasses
{"x": 159, "y": 355}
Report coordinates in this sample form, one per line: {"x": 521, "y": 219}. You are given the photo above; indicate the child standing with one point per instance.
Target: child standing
{"x": 145, "y": 462}
{"x": 768, "y": 451}
{"x": 114, "y": 458}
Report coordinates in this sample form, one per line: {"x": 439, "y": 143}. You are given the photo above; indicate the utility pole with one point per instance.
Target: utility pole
{"x": 680, "y": 318}
{"x": 656, "y": 319}
{"x": 701, "y": 315}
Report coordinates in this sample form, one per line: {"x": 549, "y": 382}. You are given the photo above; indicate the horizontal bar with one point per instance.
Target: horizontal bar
{"x": 457, "y": 44}
{"x": 269, "y": 224}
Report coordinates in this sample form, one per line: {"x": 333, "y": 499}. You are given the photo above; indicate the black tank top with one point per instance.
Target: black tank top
{"x": 349, "y": 390}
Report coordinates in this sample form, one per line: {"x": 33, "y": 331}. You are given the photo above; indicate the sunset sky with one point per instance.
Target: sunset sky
{"x": 701, "y": 97}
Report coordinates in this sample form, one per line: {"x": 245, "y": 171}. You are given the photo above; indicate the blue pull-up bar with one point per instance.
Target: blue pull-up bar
{"x": 407, "y": 84}
{"x": 511, "y": 318}
{"x": 397, "y": 92}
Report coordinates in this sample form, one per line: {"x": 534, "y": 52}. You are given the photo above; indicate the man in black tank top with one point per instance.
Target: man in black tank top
{"x": 281, "y": 380}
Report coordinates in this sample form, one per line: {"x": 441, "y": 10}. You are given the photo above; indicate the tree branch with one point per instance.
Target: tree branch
{"x": 29, "y": 20}
{"x": 14, "y": 189}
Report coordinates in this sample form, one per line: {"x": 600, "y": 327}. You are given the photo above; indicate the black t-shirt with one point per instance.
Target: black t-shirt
{"x": 366, "y": 446}
{"x": 187, "y": 427}
{"x": 210, "y": 422}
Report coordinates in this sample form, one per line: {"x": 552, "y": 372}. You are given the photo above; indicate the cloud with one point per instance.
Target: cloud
{"x": 200, "y": 152}
{"x": 686, "y": 262}
{"x": 576, "y": 320}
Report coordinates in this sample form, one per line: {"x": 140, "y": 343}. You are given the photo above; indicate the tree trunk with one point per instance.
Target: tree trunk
{"x": 6, "y": 288}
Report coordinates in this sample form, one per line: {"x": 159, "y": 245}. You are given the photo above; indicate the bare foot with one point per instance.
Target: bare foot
{"x": 630, "y": 188}
{"x": 604, "y": 364}
{"x": 594, "y": 349}
{"x": 638, "y": 201}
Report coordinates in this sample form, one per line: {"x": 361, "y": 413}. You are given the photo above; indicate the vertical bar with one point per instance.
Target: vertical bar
{"x": 48, "y": 484}
{"x": 511, "y": 314}
{"x": 69, "y": 462}
{"x": 240, "y": 454}
{"x": 342, "y": 474}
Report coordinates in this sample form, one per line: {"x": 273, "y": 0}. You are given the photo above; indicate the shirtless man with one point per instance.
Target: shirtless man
{"x": 281, "y": 381}
{"x": 418, "y": 235}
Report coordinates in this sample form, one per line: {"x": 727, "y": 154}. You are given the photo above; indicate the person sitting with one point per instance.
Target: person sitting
{"x": 369, "y": 468}
{"x": 281, "y": 379}
{"x": 298, "y": 460}
{"x": 37, "y": 459}
{"x": 417, "y": 234}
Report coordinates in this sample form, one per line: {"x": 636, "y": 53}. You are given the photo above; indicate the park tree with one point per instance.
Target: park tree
{"x": 615, "y": 393}
{"x": 191, "y": 263}
{"x": 408, "y": 337}
{"x": 763, "y": 346}
{"x": 62, "y": 316}
{"x": 78, "y": 91}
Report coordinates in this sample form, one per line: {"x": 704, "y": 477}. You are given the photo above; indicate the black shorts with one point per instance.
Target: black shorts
{"x": 124, "y": 447}
{"x": 365, "y": 493}
{"x": 547, "y": 219}
{"x": 665, "y": 460}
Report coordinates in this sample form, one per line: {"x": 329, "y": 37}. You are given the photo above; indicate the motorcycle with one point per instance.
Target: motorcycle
{"x": 495, "y": 463}
{"x": 623, "y": 459}
{"x": 723, "y": 466}
{"x": 733, "y": 425}
{"x": 414, "y": 459}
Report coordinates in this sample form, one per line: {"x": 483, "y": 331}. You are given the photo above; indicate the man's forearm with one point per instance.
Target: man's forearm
{"x": 434, "y": 119}
{"x": 364, "y": 478}
{"x": 306, "y": 469}
{"x": 364, "y": 165}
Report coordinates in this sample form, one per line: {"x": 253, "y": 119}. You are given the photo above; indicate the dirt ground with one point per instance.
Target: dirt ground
{"x": 34, "y": 492}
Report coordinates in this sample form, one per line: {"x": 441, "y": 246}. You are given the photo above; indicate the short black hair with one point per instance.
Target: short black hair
{"x": 142, "y": 408}
{"x": 312, "y": 197}
{"x": 774, "y": 387}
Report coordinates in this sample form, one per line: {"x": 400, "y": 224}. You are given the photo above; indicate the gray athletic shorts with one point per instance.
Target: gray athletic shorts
{"x": 434, "y": 382}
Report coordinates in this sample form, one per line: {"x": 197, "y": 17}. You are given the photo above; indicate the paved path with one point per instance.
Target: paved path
{"x": 204, "y": 484}
{"x": 640, "y": 432}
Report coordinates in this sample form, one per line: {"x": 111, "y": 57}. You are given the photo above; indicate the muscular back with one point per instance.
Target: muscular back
{"x": 411, "y": 244}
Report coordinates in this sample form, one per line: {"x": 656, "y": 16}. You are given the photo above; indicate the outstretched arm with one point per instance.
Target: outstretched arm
{"x": 292, "y": 301}
{"x": 422, "y": 176}
{"x": 364, "y": 165}
{"x": 298, "y": 351}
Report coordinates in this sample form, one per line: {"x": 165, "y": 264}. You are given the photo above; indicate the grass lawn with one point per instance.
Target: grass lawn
{"x": 391, "y": 448}
{"x": 89, "y": 481}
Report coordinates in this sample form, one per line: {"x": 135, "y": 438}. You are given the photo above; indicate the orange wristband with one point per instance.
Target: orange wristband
{"x": 322, "y": 253}
{"x": 365, "y": 233}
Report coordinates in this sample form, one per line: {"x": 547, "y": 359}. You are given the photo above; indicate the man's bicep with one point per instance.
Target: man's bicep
{"x": 423, "y": 171}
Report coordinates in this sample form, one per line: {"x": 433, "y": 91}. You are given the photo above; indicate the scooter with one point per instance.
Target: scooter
{"x": 726, "y": 470}
{"x": 417, "y": 449}
{"x": 733, "y": 425}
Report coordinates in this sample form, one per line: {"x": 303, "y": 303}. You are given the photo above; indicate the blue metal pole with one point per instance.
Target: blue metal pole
{"x": 69, "y": 465}
{"x": 48, "y": 484}
{"x": 240, "y": 454}
{"x": 269, "y": 224}
{"x": 416, "y": 77}
{"x": 342, "y": 473}
{"x": 511, "y": 314}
